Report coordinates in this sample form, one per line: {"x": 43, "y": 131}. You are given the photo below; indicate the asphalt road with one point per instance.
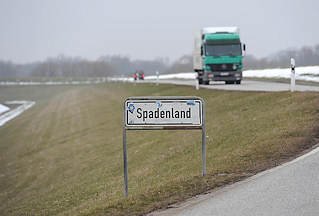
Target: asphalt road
{"x": 290, "y": 189}
{"x": 247, "y": 85}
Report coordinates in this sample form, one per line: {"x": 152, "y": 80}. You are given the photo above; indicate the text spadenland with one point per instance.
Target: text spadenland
{"x": 164, "y": 114}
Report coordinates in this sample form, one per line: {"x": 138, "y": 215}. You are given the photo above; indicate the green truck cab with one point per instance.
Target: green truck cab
{"x": 218, "y": 55}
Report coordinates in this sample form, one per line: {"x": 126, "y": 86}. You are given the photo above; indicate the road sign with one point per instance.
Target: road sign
{"x": 163, "y": 113}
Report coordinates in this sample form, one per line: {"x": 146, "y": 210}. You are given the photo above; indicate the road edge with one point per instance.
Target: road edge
{"x": 180, "y": 206}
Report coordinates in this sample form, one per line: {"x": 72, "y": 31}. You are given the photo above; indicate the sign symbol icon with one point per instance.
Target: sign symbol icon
{"x": 159, "y": 105}
{"x": 131, "y": 108}
{"x": 190, "y": 102}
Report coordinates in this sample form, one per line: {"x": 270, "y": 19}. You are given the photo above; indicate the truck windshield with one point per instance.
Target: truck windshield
{"x": 223, "y": 50}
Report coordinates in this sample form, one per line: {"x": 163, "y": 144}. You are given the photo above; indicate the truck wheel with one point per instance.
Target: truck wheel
{"x": 238, "y": 82}
{"x": 206, "y": 82}
{"x": 200, "y": 81}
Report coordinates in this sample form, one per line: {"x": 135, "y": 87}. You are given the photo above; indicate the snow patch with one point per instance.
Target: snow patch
{"x": 3, "y": 108}
{"x": 309, "y": 73}
{"x": 32, "y": 83}
{"x": 122, "y": 79}
{"x": 15, "y": 112}
{"x": 174, "y": 76}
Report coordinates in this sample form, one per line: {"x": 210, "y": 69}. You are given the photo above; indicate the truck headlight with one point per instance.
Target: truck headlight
{"x": 238, "y": 74}
{"x": 234, "y": 66}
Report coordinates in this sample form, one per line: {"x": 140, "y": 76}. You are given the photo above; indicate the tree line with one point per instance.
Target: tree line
{"x": 305, "y": 56}
{"x": 115, "y": 65}
{"x": 62, "y": 66}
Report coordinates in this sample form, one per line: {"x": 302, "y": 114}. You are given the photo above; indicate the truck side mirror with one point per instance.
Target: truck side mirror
{"x": 201, "y": 51}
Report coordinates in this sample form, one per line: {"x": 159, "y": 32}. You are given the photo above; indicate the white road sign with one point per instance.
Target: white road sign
{"x": 163, "y": 112}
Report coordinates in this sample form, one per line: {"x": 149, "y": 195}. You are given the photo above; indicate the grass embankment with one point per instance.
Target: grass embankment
{"x": 64, "y": 155}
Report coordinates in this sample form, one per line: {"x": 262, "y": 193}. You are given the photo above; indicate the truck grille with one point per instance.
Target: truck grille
{"x": 221, "y": 67}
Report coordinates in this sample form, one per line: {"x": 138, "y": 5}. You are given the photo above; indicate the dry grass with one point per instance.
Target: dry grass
{"x": 64, "y": 156}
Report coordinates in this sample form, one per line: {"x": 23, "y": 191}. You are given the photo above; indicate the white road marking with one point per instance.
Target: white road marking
{"x": 15, "y": 112}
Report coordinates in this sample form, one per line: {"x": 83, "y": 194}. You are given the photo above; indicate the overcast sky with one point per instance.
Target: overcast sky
{"x": 32, "y": 30}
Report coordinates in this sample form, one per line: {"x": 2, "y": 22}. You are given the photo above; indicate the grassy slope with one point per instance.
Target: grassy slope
{"x": 64, "y": 156}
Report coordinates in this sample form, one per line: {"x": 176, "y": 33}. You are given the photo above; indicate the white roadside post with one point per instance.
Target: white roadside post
{"x": 163, "y": 113}
{"x": 157, "y": 78}
{"x": 196, "y": 82}
{"x": 293, "y": 75}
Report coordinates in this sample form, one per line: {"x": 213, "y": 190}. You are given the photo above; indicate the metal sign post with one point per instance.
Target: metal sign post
{"x": 163, "y": 113}
{"x": 293, "y": 75}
